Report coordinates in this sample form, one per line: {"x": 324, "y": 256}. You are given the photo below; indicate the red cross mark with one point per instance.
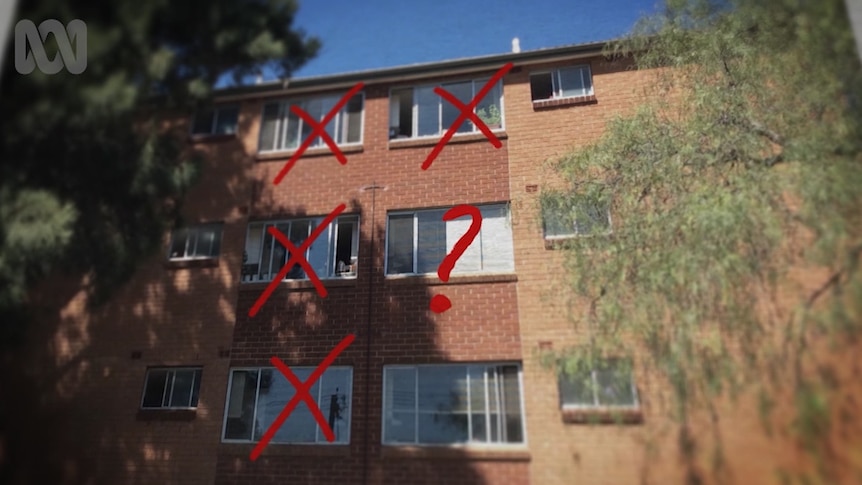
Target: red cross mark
{"x": 302, "y": 394}
{"x": 318, "y": 130}
{"x": 296, "y": 257}
{"x": 466, "y": 112}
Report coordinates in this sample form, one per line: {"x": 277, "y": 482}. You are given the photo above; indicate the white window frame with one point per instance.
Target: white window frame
{"x": 192, "y": 238}
{"x": 596, "y": 405}
{"x": 557, "y": 83}
{"x": 320, "y": 439}
{"x": 332, "y": 245}
{"x": 416, "y": 241}
{"x": 476, "y": 83}
{"x": 469, "y": 443}
{"x": 284, "y": 106}
{"x": 216, "y": 112}
{"x": 170, "y": 383}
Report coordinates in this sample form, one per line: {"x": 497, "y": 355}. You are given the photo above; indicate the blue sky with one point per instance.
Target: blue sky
{"x": 360, "y": 35}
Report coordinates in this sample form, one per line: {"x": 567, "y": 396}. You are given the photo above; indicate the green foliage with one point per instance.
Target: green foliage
{"x": 751, "y": 132}
{"x": 490, "y": 115}
{"x": 89, "y": 181}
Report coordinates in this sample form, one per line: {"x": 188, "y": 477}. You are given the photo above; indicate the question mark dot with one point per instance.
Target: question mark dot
{"x": 440, "y": 303}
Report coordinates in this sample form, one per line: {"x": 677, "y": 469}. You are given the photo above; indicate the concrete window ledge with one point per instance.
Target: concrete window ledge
{"x": 454, "y": 452}
{"x": 602, "y": 416}
{"x": 311, "y": 152}
{"x": 192, "y": 263}
{"x": 166, "y": 414}
{"x": 459, "y": 279}
{"x": 285, "y": 449}
{"x": 396, "y": 143}
{"x": 560, "y": 102}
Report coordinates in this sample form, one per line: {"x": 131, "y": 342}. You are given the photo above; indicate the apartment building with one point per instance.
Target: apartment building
{"x": 173, "y": 382}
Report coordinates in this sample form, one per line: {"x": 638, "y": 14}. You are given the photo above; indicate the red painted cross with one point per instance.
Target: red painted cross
{"x": 318, "y": 130}
{"x": 297, "y": 257}
{"x": 302, "y": 394}
{"x": 466, "y": 112}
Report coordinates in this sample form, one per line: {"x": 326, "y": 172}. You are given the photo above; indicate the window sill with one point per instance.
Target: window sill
{"x": 192, "y": 263}
{"x": 211, "y": 137}
{"x": 603, "y": 416}
{"x": 462, "y": 279}
{"x": 397, "y": 143}
{"x": 311, "y": 152}
{"x": 156, "y": 414}
{"x": 559, "y": 102}
{"x": 300, "y": 284}
{"x": 514, "y": 453}
{"x": 291, "y": 449}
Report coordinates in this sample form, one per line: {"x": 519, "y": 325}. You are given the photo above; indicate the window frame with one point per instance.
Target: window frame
{"x": 557, "y": 83}
{"x": 332, "y": 245}
{"x": 469, "y": 443}
{"x": 318, "y": 430}
{"x": 197, "y": 377}
{"x": 415, "y": 213}
{"x": 196, "y": 230}
{"x": 216, "y": 110}
{"x": 414, "y": 127}
{"x": 284, "y": 105}
{"x": 597, "y": 406}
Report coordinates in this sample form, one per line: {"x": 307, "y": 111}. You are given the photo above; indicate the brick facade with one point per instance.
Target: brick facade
{"x": 83, "y": 371}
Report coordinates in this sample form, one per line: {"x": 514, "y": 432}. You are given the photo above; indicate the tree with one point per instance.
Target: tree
{"x": 747, "y": 152}
{"x": 89, "y": 180}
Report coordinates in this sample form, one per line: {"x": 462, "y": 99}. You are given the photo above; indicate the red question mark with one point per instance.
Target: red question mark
{"x": 440, "y": 303}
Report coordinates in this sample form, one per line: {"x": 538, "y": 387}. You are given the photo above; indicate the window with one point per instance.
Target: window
{"x": 171, "y": 388}
{"x": 419, "y": 111}
{"x": 281, "y": 129}
{"x": 577, "y": 218}
{"x": 196, "y": 242}
{"x": 609, "y": 385}
{"x": 562, "y": 83}
{"x": 447, "y": 404}
{"x": 416, "y": 242}
{"x": 257, "y": 396}
{"x": 333, "y": 254}
{"x": 215, "y": 121}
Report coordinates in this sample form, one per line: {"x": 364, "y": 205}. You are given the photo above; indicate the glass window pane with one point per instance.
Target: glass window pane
{"x": 513, "y": 430}
{"x": 290, "y": 123}
{"x": 313, "y": 108}
{"x": 438, "y": 428}
{"x": 541, "y": 86}
{"x": 399, "y": 244}
{"x": 203, "y": 122}
{"x": 464, "y": 92}
{"x": 299, "y": 231}
{"x": 614, "y": 387}
{"x": 207, "y": 242}
{"x": 577, "y": 389}
{"x": 319, "y": 252}
{"x": 241, "y": 404}
{"x": 591, "y": 217}
{"x": 490, "y": 108}
{"x": 178, "y": 243}
{"x": 268, "y": 127}
{"x": 428, "y": 104}
{"x": 495, "y": 241}
{"x": 352, "y": 126}
{"x": 335, "y": 398}
{"x": 431, "y": 240}
{"x": 326, "y": 105}
{"x": 226, "y": 120}
{"x": 182, "y": 389}
{"x": 155, "y": 388}
{"x": 196, "y": 389}
{"x": 401, "y": 113}
{"x": 399, "y": 404}
{"x": 471, "y": 260}
{"x": 442, "y": 388}
{"x": 572, "y": 81}
{"x": 478, "y": 403}
{"x": 345, "y": 247}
